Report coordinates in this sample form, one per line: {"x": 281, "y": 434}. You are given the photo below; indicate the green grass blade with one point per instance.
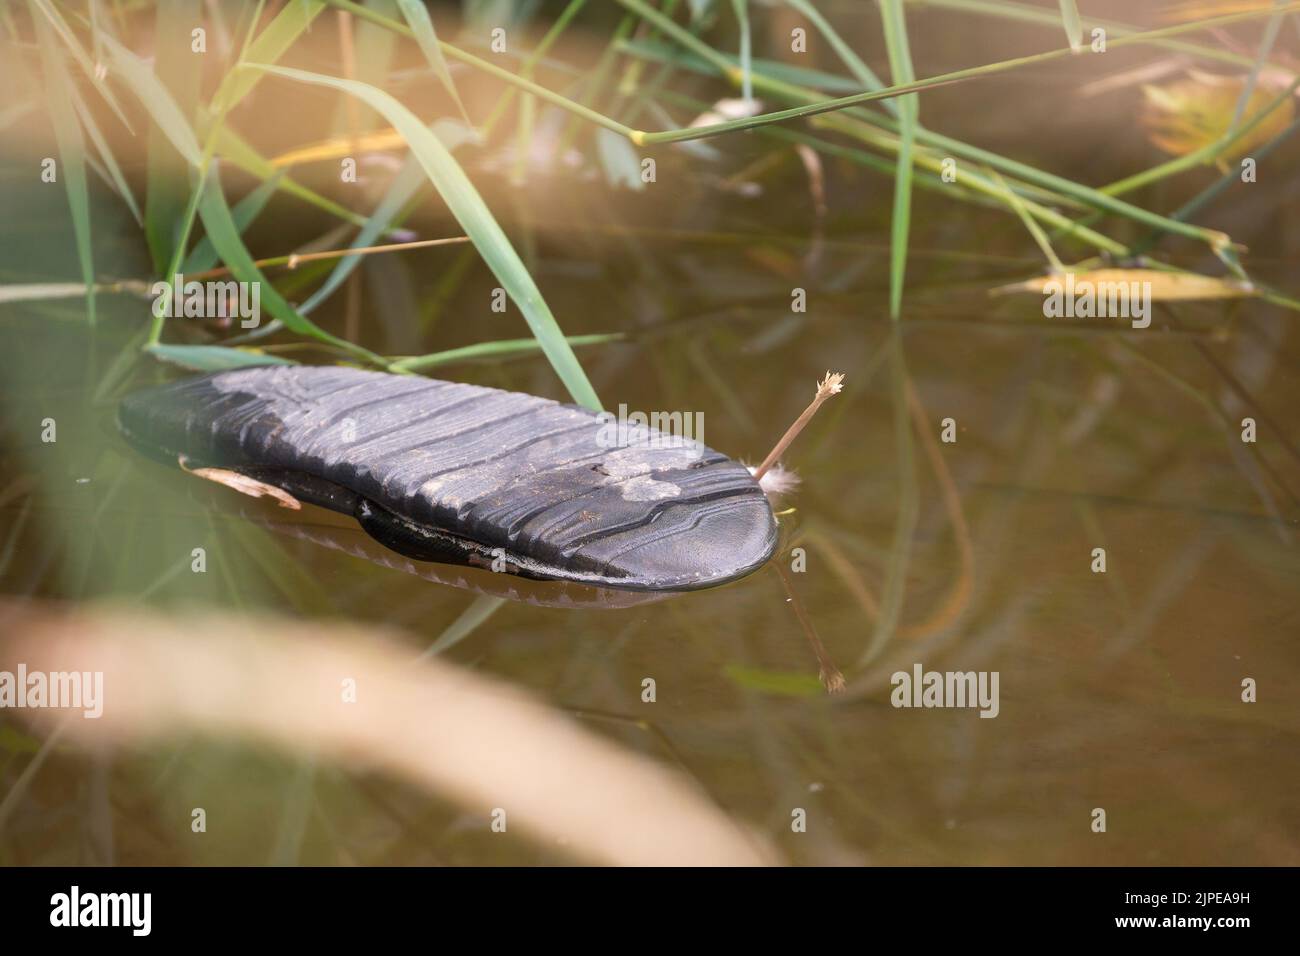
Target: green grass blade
{"x": 854, "y": 121}
{"x": 1073, "y": 24}
{"x": 1034, "y": 229}
{"x": 221, "y": 229}
{"x": 79, "y": 54}
{"x": 980, "y": 186}
{"x": 659, "y": 52}
{"x": 501, "y": 349}
{"x": 174, "y": 264}
{"x": 655, "y": 17}
{"x": 1212, "y": 192}
{"x": 153, "y": 96}
{"x": 372, "y": 56}
{"x": 527, "y": 85}
{"x": 72, "y": 155}
{"x": 900, "y": 68}
{"x": 417, "y": 18}
{"x": 213, "y": 358}
{"x": 1207, "y": 154}
{"x": 469, "y": 209}
{"x": 1024, "y": 13}
{"x": 167, "y": 179}
{"x": 269, "y": 46}
{"x": 404, "y": 185}
{"x": 861, "y": 72}
{"x": 408, "y": 180}
{"x": 170, "y": 122}
{"x": 229, "y": 145}
{"x": 814, "y": 105}
{"x": 115, "y": 176}
{"x": 204, "y": 256}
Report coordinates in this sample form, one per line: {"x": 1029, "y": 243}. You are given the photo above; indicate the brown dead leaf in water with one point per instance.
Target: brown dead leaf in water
{"x": 243, "y": 484}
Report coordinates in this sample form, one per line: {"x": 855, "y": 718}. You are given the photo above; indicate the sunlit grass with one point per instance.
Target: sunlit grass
{"x": 196, "y": 133}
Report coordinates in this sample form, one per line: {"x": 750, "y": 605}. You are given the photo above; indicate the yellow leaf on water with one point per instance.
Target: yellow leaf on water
{"x": 1164, "y": 286}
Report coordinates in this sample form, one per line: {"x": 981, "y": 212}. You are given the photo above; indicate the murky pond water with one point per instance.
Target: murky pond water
{"x": 1120, "y": 690}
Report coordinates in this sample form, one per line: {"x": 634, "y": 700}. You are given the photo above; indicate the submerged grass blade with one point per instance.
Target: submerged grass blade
{"x": 469, "y": 209}
{"x": 479, "y": 610}
{"x": 895, "y": 586}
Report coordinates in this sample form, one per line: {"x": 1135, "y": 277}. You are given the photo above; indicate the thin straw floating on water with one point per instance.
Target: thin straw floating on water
{"x": 827, "y": 387}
